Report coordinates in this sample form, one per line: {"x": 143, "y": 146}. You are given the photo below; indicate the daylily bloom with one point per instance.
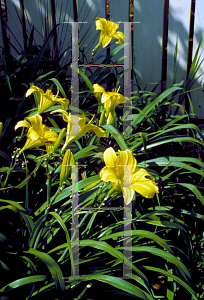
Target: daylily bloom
{"x": 110, "y": 100}
{"x": 38, "y": 134}
{"x": 108, "y": 32}
{"x": 46, "y": 99}
{"x": 77, "y": 127}
{"x": 121, "y": 171}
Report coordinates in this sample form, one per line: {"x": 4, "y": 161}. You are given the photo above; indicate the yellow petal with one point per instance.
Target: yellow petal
{"x": 121, "y": 163}
{"x": 131, "y": 161}
{"x": 33, "y": 135}
{"x": 104, "y": 40}
{"x": 63, "y": 101}
{"x": 145, "y": 188}
{"x": 110, "y": 157}
{"x": 111, "y": 27}
{"x": 120, "y": 36}
{"x": 22, "y": 124}
{"x": 128, "y": 194}
{"x": 100, "y": 23}
{"x": 106, "y": 96}
{"x": 109, "y": 174}
{"x": 122, "y": 157}
{"x": 50, "y": 136}
{"x": 33, "y": 89}
{"x": 44, "y": 104}
{"x": 97, "y": 130}
{"x": 36, "y": 122}
{"x": 118, "y": 99}
{"x": 110, "y": 119}
{"x": 141, "y": 174}
{"x": 98, "y": 89}
{"x": 65, "y": 115}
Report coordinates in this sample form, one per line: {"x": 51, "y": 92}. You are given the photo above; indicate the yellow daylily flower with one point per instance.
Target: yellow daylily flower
{"x": 110, "y": 100}
{"x": 108, "y": 32}
{"x": 46, "y": 99}
{"x": 121, "y": 171}
{"x": 77, "y": 127}
{"x": 38, "y": 134}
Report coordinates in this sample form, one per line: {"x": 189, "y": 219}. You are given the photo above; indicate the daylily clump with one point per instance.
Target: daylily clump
{"x": 77, "y": 127}
{"x": 124, "y": 175}
{"x": 108, "y": 32}
{"x": 38, "y": 134}
{"x": 46, "y": 99}
{"x": 110, "y": 100}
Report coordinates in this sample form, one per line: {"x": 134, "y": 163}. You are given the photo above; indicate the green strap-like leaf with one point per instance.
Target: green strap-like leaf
{"x": 117, "y": 136}
{"x": 177, "y": 279}
{"x": 114, "y": 252}
{"x": 140, "y": 233}
{"x": 52, "y": 266}
{"x": 28, "y": 220}
{"x": 165, "y": 255}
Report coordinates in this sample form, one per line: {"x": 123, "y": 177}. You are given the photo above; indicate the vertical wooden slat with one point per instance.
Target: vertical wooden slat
{"x": 4, "y": 20}
{"x": 191, "y": 32}
{"x": 75, "y": 10}
{"x": 190, "y": 46}
{"x": 108, "y": 18}
{"x": 131, "y": 13}
{"x": 23, "y": 23}
{"x": 131, "y": 19}
{"x": 53, "y": 11}
{"x": 164, "y": 45}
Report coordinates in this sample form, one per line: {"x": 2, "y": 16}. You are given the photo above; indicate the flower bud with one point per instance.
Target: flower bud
{"x": 67, "y": 162}
{"x": 102, "y": 117}
{"x": 1, "y": 127}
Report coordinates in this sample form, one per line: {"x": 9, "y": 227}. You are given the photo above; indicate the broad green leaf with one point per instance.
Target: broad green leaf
{"x": 121, "y": 284}
{"x": 165, "y": 255}
{"x": 59, "y": 86}
{"x": 139, "y": 118}
{"x": 22, "y": 281}
{"x": 177, "y": 279}
{"x": 52, "y": 266}
{"x": 117, "y": 136}
{"x": 140, "y": 233}
{"x": 114, "y": 252}
{"x": 28, "y": 220}
{"x": 61, "y": 222}
{"x": 193, "y": 189}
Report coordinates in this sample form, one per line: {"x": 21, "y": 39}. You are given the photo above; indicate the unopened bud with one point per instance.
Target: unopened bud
{"x": 68, "y": 161}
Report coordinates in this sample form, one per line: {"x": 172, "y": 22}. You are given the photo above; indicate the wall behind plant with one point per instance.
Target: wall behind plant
{"x": 158, "y": 26}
